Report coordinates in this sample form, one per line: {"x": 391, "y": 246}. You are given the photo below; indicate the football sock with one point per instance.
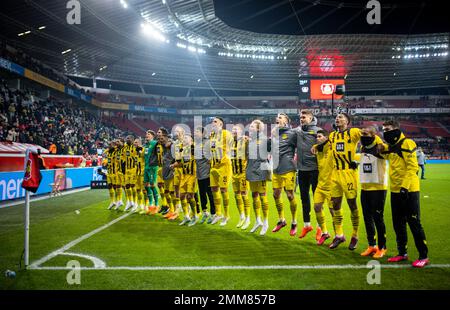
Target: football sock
{"x": 154, "y": 193}
{"x": 320, "y": 216}
{"x": 355, "y": 222}
{"x": 193, "y": 204}
{"x": 279, "y": 205}
{"x": 265, "y": 206}
{"x": 239, "y": 202}
{"x": 257, "y": 207}
{"x": 217, "y": 202}
{"x": 293, "y": 205}
{"x": 226, "y": 199}
{"x": 246, "y": 201}
{"x": 149, "y": 195}
{"x": 337, "y": 221}
{"x": 185, "y": 206}
{"x": 112, "y": 194}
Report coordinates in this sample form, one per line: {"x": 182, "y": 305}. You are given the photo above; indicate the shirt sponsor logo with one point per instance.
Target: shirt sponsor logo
{"x": 367, "y": 168}
{"x": 340, "y": 147}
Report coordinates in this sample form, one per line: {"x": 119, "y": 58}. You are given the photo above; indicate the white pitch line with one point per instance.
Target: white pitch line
{"x": 98, "y": 263}
{"x": 75, "y": 242}
{"x": 33, "y": 198}
{"x": 269, "y": 267}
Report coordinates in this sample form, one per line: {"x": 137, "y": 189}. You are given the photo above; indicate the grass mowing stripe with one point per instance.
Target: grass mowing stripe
{"x": 75, "y": 242}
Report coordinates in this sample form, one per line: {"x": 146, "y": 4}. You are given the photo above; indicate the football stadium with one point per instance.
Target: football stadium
{"x": 224, "y": 145}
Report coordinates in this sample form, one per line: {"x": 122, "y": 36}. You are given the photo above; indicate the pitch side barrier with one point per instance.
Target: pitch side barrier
{"x": 68, "y": 178}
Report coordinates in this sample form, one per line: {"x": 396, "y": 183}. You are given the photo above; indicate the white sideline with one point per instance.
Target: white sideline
{"x": 74, "y": 242}
{"x": 269, "y": 267}
{"x": 22, "y": 201}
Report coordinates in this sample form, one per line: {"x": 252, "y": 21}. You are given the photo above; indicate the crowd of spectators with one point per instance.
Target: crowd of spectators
{"x": 63, "y": 127}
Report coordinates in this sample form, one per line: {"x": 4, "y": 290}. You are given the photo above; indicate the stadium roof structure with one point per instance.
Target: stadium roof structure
{"x": 184, "y": 43}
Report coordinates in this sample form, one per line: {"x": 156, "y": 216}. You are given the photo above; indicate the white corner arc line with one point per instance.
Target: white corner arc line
{"x": 71, "y": 244}
{"x": 98, "y": 263}
{"x": 262, "y": 267}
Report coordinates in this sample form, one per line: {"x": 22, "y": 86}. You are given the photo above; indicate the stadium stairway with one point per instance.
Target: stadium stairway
{"x": 146, "y": 124}
{"x": 127, "y": 125}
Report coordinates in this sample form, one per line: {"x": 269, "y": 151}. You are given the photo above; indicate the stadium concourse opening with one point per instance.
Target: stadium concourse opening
{"x": 229, "y": 145}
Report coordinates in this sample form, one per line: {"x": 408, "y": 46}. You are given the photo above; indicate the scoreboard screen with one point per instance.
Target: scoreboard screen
{"x": 323, "y": 89}
{"x": 304, "y": 88}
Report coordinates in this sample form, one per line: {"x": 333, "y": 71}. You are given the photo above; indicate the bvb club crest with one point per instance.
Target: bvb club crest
{"x": 28, "y": 170}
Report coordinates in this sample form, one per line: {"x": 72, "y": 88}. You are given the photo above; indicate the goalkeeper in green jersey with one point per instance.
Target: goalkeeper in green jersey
{"x": 151, "y": 171}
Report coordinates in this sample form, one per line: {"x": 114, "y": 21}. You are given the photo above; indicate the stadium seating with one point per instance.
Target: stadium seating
{"x": 71, "y": 129}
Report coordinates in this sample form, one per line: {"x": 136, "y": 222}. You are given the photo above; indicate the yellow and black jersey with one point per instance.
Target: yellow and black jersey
{"x": 188, "y": 161}
{"x": 325, "y": 165}
{"x": 403, "y": 166}
{"x": 159, "y": 154}
{"x": 238, "y": 156}
{"x": 343, "y": 147}
{"x": 220, "y": 145}
{"x": 120, "y": 164}
{"x": 178, "y": 150}
{"x": 140, "y": 161}
{"x": 111, "y": 166}
{"x": 130, "y": 157}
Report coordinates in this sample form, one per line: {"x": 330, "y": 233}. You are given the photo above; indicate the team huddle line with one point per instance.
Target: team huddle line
{"x": 174, "y": 174}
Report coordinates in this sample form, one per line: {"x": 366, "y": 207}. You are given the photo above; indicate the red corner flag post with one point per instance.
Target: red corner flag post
{"x": 31, "y": 180}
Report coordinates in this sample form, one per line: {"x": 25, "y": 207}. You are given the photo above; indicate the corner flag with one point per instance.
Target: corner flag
{"x": 32, "y": 177}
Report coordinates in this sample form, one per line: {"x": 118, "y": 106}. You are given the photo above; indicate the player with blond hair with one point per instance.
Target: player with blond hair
{"x": 258, "y": 173}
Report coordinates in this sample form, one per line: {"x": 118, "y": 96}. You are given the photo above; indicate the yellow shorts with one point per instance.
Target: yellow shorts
{"x": 177, "y": 176}
{"x": 160, "y": 179}
{"x": 258, "y": 187}
{"x": 168, "y": 185}
{"x": 111, "y": 179}
{"x": 187, "y": 184}
{"x": 344, "y": 182}
{"x": 140, "y": 182}
{"x": 130, "y": 178}
{"x": 120, "y": 179}
{"x": 220, "y": 176}
{"x": 321, "y": 195}
{"x": 285, "y": 180}
{"x": 239, "y": 183}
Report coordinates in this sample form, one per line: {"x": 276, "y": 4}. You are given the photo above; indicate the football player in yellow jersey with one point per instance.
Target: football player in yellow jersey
{"x": 178, "y": 135}
{"x": 120, "y": 179}
{"x": 344, "y": 141}
{"x": 111, "y": 170}
{"x": 221, "y": 141}
{"x": 405, "y": 192}
{"x": 322, "y": 194}
{"x": 239, "y": 180}
{"x": 129, "y": 155}
{"x": 188, "y": 182}
{"x": 140, "y": 190}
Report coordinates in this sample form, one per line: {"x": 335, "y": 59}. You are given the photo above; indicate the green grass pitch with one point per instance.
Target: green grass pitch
{"x": 149, "y": 241}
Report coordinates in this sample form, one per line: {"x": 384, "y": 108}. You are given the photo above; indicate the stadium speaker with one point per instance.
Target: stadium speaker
{"x": 340, "y": 90}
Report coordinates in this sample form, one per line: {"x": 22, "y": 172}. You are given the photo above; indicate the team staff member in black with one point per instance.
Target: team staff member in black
{"x": 374, "y": 182}
{"x": 203, "y": 171}
{"x": 405, "y": 192}
{"x": 308, "y": 172}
